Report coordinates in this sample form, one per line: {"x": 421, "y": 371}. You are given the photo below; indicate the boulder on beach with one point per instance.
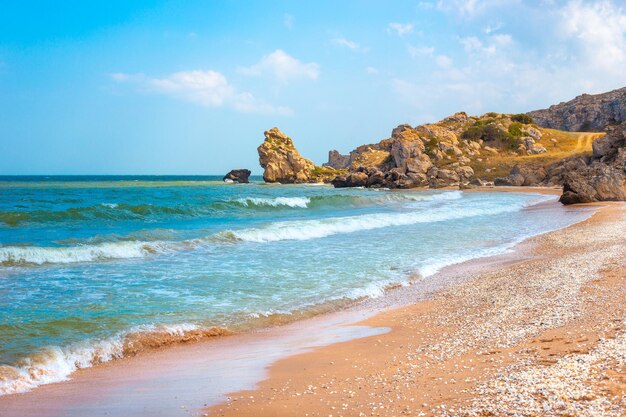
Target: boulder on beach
{"x": 603, "y": 176}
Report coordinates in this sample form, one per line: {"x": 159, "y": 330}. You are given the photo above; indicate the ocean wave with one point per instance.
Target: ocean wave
{"x": 339, "y": 200}
{"x": 102, "y": 211}
{"x": 55, "y": 364}
{"x": 38, "y": 255}
{"x": 273, "y": 232}
{"x": 315, "y": 229}
{"x": 301, "y": 202}
{"x": 124, "y": 211}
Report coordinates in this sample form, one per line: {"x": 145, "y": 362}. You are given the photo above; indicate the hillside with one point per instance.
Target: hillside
{"x": 587, "y": 112}
{"x": 559, "y": 145}
{"x": 458, "y": 150}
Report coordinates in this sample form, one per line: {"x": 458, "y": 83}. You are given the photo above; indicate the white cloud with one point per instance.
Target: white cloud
{"x": 120, "y": 76}
{"x": 471, "y": 8}
{"x": 564, "y": 48}
{"x": 288, "y": 21}
{"x": 425, "y": 5}
{"x": 492, "y": 27}
{"x": 207, "y": 88}
{"x": 444, "y": 61}
{"x": 204, "y": 88}
{"x": 346, "y": 43}
{"x": 371, "y": 70}
{"x": 415, "y": 51}
{"x": 400, "y": 29}
{"x": 599, "y": 31}
{"x": 283, "y": 67}
{"x": 462, "y": 7}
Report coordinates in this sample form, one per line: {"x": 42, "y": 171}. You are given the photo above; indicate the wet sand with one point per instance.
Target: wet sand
{"x": 541, "y": 334}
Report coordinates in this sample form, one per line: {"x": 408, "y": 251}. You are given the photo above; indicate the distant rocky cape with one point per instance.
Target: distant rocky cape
{"x": 585, "y": 113}
{"x": 447, "y": 153}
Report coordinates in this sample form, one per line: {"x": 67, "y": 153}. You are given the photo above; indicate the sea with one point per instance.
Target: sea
{"x": 96, "y": 268}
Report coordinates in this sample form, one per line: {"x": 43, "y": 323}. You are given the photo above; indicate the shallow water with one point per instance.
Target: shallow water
{"x": 95, "y": 268}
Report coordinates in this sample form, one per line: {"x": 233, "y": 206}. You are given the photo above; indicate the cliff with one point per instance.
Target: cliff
{"x": 585, "y": 113}
{"x": 283, "y": 163}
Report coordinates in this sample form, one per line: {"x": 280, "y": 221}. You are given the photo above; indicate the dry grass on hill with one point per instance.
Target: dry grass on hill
{"x": 565, "y": 144}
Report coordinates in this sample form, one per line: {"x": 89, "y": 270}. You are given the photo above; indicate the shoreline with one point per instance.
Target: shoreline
{"x": 356, "y": 377}
{"x": 349, "y": 316}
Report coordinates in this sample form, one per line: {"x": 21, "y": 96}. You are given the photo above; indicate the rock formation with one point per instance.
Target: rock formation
{"x": 337, "y": 160}
{"x": 238, "y": 175}
{"x": 585, "y": 113}
{"x": 468, "y": 151}
{"x": 281, "y": 160}
{"x": 603, "y": 176}
{"x": 439, "y": 154}
{"x": 522, "y": 176}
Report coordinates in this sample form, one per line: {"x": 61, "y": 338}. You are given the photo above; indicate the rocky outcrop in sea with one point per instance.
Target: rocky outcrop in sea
{"x": 585, "y": 113}
{"x": 238, "y": 175}
{"x": 281, "y": 160}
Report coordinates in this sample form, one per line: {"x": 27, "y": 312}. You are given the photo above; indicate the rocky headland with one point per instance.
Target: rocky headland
{"x": 469, "y": 151}
{"x": 448, "y": 153}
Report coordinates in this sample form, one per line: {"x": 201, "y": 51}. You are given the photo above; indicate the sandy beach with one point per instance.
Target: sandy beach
{"x": 329, "y": 209}
{"x": 541, "y": 334}
{"x": 535, "y": 331}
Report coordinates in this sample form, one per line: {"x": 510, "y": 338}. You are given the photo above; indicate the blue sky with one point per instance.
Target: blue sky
{"x": 188, "y": 87}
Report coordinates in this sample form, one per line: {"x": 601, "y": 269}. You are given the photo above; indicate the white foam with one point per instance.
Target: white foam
{"x": 55, "y": 364}
{"x": 315, "y": 229}
{"x": 371, "y": 290}
{"x": 299, "y": 202}
{"x": 17, "y": 255}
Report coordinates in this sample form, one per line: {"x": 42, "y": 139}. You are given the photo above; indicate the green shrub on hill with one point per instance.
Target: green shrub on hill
{"x": 486, "y": 132}
{"x": 515, "y": 129}
{"x": 522, "y": 118}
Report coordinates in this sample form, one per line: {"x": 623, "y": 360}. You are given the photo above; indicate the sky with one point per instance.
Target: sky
{"x": 189, "y": 87}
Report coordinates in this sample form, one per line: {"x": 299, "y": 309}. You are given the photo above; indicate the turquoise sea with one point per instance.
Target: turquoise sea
{"x": 95, "y": 268}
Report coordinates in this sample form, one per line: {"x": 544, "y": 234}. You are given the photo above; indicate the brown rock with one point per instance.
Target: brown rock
{"x": 353, "y": 179}
{"x": 281, "y": 160}
{"x": 337, "y": 160}
{"x": 604, "y": 177}
{"x": 403, "y": 150}
{"x": 238, "y": 175}
{"x": 596, "y": 183}
{"x": 515, "y": 180}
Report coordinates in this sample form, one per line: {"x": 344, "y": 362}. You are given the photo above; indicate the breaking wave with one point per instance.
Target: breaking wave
{"x": 301, "y": 202}
{"x": 54, "y": 364}
{"x": 315, "y": 229}
{"x": 123, "y": 211}
{"x": 38, "y": 255}
{"x": 273, "y": 232}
